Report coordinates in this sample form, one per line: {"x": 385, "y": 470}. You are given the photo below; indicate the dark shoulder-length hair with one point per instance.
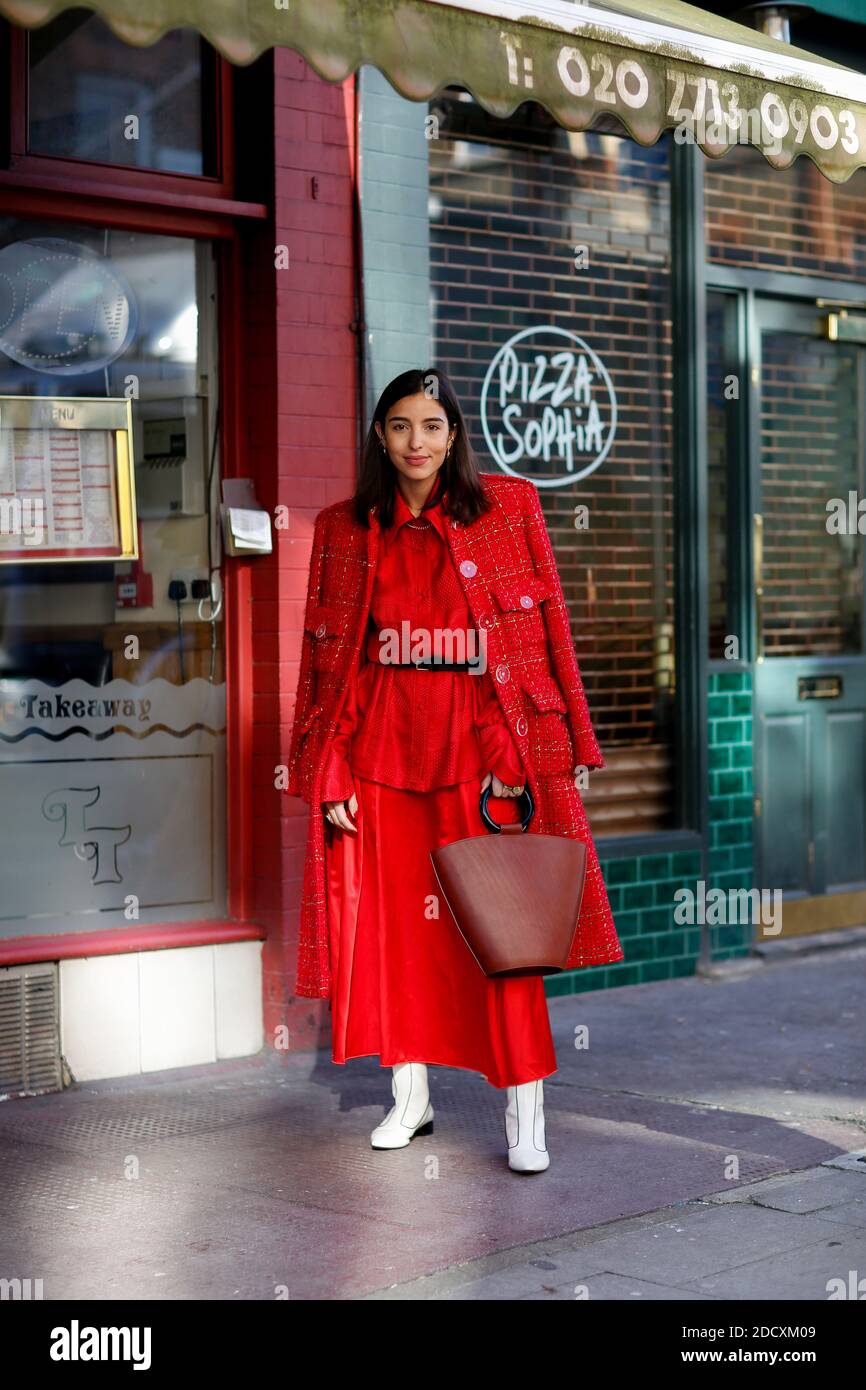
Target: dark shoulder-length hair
{"x": 460, "y": 473}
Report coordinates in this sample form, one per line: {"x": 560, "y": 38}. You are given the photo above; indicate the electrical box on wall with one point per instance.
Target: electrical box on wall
{"x": 134, "y": 590}
{"x": 246, "y": 525}
{"x": 171, "y": 455}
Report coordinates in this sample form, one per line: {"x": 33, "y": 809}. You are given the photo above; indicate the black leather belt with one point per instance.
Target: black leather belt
{"x": 434, "y": 665}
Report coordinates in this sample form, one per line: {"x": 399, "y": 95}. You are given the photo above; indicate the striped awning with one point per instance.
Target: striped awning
{"x": 653, "y": 66}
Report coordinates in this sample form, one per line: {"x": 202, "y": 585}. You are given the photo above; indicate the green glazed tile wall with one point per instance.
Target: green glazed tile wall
{"x": 731, "y": 799}
{"x": 641, "y": 893}
{"x": 641, "y": 890}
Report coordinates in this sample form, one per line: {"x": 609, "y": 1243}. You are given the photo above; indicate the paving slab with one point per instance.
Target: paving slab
{"x": 615, "y": 1287}
{"x": 703, "y": 1242}
{"x": 820, "y": 1189}
{"x": 854, "y": 1162}
{"x": 806, "y": 1274}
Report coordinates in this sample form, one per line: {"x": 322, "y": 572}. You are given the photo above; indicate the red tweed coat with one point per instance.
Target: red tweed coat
{"x": 514, "y": 594}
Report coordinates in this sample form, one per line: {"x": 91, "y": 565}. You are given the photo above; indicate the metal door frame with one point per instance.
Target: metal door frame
{"x": 751, "y": 291}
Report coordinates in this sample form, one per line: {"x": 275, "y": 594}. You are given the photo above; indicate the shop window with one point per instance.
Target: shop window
{"x": 811, "y": 446}
{"x": 550, "y": 285}
{"x": 810, "y": 226}
{"x": 79, "y": 93}
{"x": 112, "y": 693}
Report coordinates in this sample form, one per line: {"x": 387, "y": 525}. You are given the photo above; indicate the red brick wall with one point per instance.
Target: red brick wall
{"x": 301, "y": 359}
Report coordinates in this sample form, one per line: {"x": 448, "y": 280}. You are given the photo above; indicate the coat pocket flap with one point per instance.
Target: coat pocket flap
{"x": 324, "y": 621}
{"x": 544, "y": 692}
{"x": 310, "y": 720}
{"x": 521, "y": 594}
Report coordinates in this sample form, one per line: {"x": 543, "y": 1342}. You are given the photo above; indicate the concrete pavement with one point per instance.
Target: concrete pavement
{"x": 708, "y": 1143}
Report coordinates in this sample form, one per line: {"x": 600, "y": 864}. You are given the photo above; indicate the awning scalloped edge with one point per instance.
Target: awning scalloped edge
{"x": 422, "y": 49}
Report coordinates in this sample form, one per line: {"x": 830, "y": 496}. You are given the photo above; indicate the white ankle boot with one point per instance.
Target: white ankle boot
{"x": 524, "y": 1128}
{"x": 412, "y": 1114}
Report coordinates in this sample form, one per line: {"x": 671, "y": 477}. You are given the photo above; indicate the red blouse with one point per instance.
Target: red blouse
{"x": 419, "y": 729}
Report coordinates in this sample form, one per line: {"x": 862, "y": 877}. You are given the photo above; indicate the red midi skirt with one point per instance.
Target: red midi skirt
{"x": 405, "y": 985}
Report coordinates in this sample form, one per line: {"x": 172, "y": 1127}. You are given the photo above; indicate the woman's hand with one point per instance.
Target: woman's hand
{"x": 338, "y": 812}
{"x": 499, "y": 788}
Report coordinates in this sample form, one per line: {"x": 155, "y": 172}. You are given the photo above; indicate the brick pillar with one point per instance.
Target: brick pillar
{"x": 302, "y": 426}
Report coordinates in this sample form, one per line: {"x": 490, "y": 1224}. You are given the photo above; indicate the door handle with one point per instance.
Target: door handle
{"x": 758, "y": 581}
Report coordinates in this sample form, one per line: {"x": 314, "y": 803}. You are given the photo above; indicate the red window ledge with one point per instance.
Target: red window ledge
{"x": 24, "y": 950}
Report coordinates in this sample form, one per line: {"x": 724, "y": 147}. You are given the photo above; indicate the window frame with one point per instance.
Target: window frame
{"x": 194, "y": 206}
{"x": 231, "y": 384}
{"x": 23, "y": 165}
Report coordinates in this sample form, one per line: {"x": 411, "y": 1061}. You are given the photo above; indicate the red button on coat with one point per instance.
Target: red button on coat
{"x": 503, "y": 674}
{"x": 522, "y": 727}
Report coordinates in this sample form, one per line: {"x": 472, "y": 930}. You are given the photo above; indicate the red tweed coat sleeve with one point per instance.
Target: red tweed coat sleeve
{"x": 561, "y": 643}
{"x": 305, "y": 708}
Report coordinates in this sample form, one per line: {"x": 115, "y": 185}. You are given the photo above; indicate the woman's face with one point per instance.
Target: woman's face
{"x": 416, "y": 436}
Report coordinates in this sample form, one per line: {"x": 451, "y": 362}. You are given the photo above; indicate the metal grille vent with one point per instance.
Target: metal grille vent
{"x": 29, "y": 1030}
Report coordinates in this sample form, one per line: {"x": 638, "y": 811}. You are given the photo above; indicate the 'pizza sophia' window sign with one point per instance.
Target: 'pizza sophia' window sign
{"x": 548, "y": 407}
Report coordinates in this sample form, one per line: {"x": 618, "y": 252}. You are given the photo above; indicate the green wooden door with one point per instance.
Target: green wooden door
{"x": 807, "y": 454}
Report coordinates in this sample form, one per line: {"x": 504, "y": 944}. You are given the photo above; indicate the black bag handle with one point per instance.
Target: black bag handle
{"x": 525, "y": 818}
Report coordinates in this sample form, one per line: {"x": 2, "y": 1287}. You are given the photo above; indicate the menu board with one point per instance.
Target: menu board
{"x": 65, "y": 483}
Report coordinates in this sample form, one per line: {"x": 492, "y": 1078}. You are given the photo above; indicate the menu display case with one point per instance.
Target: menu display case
{"x": 67, "y": 480}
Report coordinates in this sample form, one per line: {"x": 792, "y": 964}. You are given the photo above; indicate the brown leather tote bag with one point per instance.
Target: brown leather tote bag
{"x": 515, "y": 897}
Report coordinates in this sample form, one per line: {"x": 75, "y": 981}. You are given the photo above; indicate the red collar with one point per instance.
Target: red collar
{"x": 432, "y": 512}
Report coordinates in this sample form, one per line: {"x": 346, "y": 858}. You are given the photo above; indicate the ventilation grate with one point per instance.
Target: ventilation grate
{"x": 29, "y": 1030}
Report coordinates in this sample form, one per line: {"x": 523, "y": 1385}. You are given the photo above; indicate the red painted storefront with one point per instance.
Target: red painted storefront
{"x": 288, "y": 349}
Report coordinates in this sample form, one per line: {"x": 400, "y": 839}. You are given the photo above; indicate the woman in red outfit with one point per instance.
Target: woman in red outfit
{"x": 420, "y": 734}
